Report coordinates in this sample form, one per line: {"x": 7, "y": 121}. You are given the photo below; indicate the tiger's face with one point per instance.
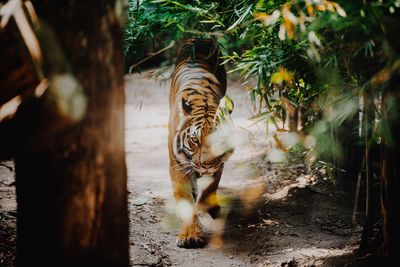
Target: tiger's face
{"x": 192, "y": 145}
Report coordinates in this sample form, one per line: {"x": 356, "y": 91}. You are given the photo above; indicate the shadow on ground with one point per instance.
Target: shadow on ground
{"x": 305, "y": 228}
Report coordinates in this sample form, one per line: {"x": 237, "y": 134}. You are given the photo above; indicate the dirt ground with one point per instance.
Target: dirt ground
{"x": 273, "y": 214}
{"x": 304, "y": 225}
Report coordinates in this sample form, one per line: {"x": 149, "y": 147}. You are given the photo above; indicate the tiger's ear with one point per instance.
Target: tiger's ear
{"x": 186, "y": 107}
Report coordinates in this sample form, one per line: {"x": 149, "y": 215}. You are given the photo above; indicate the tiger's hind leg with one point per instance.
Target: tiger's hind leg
{"x": 184, "y": 188}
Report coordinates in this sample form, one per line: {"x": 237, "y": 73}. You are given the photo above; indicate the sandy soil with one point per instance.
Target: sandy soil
{"x": 274, "y": 214}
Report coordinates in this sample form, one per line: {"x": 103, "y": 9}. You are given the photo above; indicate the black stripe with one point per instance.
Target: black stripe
{"x": 203, "y": 92}
{"x": 198, "y": 65}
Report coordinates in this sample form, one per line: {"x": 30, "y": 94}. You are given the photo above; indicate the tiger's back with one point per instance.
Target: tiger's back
{"x": 197, "y": 59}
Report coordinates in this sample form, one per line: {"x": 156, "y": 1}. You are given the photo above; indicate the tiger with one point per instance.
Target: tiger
{"x": 197, "y": 87}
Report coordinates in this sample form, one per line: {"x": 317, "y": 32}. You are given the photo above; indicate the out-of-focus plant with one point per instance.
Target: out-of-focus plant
{"x": 153, "y": 24}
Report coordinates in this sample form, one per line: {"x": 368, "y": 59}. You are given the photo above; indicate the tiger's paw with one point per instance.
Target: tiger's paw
{"x": 191, "y": 240}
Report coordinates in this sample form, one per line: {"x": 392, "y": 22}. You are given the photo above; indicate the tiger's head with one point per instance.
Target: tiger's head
{"x": 192, "y": 143}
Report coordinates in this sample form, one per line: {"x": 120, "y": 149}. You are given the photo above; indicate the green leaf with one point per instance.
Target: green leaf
{"x": 241, "y": 18}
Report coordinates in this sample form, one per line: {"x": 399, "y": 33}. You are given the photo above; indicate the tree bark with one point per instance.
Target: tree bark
{"x": 71, "y": 188}
{"x": 390, "y": 170}
{"x": 293, "y": 121}
{"x": 371, "y": 199}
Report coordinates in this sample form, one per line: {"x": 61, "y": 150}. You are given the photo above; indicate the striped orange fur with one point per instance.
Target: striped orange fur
{"x": 198, "y": 84}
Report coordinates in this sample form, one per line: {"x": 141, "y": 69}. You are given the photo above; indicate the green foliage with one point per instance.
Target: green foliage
{"x": 311, "y": 55}
{"x": 153, "y": 24}
{"x": 252, "y": 48}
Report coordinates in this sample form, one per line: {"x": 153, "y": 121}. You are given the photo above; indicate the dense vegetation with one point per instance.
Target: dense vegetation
{"x": 330, "y": 67}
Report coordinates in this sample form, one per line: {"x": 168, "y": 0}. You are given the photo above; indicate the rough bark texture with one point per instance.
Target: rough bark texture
{"x": 71, "y": 189}
{"x": 390, "y": 195}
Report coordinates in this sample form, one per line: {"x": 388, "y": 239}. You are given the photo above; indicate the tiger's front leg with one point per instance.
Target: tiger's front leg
{"x": 208, "y": 201}
{"x": 185, "y": 193}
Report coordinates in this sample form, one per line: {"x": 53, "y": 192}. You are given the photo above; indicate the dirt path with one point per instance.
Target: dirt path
{"x": 302, "y": 225}
{"x": 307, "y": 227}
{"x": 153, "y": 241}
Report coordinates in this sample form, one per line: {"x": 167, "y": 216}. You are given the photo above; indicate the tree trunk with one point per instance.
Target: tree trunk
{"x": 293, "y": 120}
{"x": 291, "y": 115}
{"x": 345, "y": 150}
{"x": 370, "y": 198}
{"x": 390, "y": 172}
{"x": 71, "y": 189}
